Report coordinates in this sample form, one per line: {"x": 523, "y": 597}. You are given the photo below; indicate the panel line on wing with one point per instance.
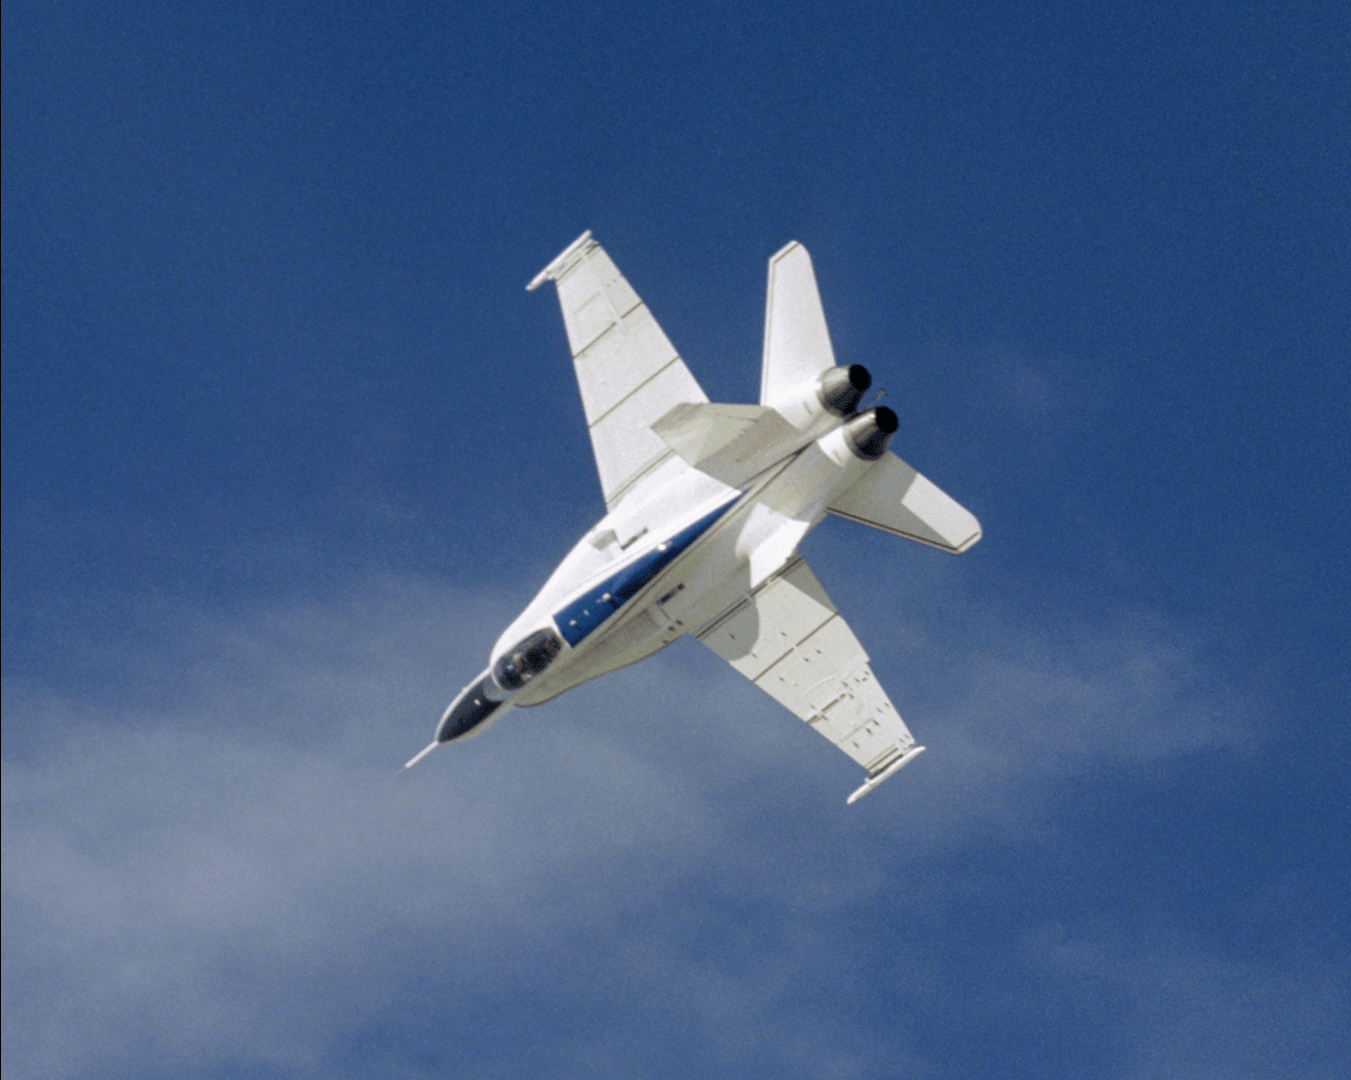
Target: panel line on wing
{"x": 617, "y": 496}
{"x": 824, "y": 679}
{"x": 793, "y": 648}
{"x": 656, "y": 374}
{"x": 615, "y": 345}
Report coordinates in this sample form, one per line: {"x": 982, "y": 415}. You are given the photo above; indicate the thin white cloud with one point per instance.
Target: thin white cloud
{"x": 221, "y": 862}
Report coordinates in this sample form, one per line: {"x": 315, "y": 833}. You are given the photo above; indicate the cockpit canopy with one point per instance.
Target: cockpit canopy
{"x": 527, "y": 659}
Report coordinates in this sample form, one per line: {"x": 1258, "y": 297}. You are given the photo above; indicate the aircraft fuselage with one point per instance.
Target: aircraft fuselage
{"x": 708, "y": 503}
{"x": 647, "y": 573}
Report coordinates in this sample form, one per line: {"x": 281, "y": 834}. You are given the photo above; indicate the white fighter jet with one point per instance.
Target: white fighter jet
{"x": 707, "y": 505}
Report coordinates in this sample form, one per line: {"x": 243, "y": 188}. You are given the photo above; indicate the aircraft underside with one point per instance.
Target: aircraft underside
{"x": 707, "y": 505}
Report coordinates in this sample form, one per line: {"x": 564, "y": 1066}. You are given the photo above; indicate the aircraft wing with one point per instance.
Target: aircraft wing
{"x": 629, "y": 373}
{"x": 788, "y": 639}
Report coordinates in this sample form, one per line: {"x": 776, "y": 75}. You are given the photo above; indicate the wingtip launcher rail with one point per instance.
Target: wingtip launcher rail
{"x": 886, "y": 774}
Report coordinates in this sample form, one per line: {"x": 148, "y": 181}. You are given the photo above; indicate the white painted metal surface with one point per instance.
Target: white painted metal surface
{"x": 789, "y": 640}
{"x": 797, "y": 343}
{"x": 892, "y": 497}
{"x": 628, "y": 370}
{"x": 707, "y": 505}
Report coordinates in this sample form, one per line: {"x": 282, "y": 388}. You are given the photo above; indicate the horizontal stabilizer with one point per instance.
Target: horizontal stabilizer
{"x": 728, "y": 442}
{"x": 893, "y": 497}
{"x": 698, "y": 431}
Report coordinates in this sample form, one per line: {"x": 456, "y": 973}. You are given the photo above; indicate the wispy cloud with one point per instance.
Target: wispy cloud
{"x": 215, "y": 863}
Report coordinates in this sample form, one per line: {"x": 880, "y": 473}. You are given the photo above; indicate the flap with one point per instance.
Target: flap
{"x": 628, "y": 371}
{"x": 789, "y": 640}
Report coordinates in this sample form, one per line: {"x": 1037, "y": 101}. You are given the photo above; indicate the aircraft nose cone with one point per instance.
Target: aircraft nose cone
{"x": 467, "y": 711}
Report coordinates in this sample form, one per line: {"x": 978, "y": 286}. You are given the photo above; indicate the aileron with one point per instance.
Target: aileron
{"x": 789, "y": 639}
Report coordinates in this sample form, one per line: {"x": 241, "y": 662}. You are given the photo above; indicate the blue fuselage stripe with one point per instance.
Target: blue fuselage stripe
{"x": 597, "y": 604}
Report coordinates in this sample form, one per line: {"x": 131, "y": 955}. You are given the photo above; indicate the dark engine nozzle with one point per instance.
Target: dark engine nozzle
{"x": 841, "y": 388}
{"x": 869, "y": 433}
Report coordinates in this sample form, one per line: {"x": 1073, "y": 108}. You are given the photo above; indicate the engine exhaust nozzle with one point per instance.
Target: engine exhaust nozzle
{"x": 869, "y": 433}
{"x": 841, "y": 388}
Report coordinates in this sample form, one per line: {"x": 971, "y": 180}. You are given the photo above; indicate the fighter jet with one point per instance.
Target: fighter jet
{"x": 707, "y": 505}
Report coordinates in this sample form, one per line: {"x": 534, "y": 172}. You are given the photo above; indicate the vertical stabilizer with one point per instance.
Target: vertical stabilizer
{"x": 797, "y": 344}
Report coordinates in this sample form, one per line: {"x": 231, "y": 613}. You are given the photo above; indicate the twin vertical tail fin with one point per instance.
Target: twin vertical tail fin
{"x": 797, "y": 343}
{"x": 890, "y": 496}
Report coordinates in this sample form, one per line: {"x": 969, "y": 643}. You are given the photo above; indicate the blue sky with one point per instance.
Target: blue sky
{"x": 286, "y": 443}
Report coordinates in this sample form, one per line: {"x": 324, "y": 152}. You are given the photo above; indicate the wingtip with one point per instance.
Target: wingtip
{"x": 886, "y": 774}
{"x": 549, "y": 271}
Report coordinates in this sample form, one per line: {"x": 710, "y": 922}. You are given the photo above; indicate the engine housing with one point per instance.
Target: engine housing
{"x": 835, "y": 392}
